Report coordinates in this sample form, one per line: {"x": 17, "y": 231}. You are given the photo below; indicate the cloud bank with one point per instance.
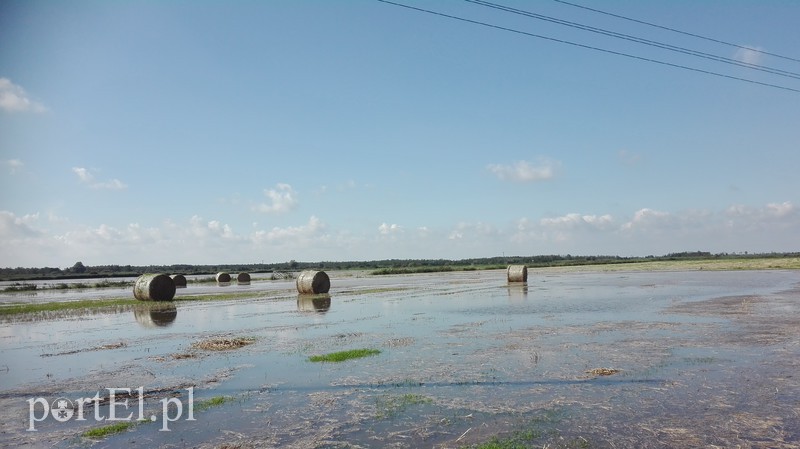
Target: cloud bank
{"x": 13, "y": 98}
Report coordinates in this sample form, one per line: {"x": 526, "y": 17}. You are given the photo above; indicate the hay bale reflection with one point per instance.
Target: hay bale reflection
{"x": 313, "y": 303}
{"x": 517, "y": 292}
{"x": 155, "y": 315}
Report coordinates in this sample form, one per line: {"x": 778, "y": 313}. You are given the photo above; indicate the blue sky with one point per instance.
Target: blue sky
{"x": 205, "y": 132}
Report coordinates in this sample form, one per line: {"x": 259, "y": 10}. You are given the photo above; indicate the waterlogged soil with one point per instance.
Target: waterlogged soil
{"x": 569, "y": 360}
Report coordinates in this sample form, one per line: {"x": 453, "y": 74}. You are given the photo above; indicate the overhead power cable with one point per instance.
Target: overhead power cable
{"x": 639, "y": 40}
{"x": 562, "y": 41}
{"x": 711, "y": 39}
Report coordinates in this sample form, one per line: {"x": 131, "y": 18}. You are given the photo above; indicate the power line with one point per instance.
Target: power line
{"x": 679, "y": 31}
{"x": 562, "y": 41}
{"x": 639, "y": 40}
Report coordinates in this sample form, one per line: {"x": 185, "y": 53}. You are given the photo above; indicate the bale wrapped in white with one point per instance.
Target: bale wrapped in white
{"x": 314, "y": 282}
{"x": 154, "y": 287}
{"x": 243, "y": 278}
{"x": 223, "y": 277}
{"x": 517, "y": 273}
{"x": 179, "y": 280}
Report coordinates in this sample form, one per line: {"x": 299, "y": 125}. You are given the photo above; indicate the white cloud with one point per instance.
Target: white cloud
{"x": 299, "y": 235}
{"x": 25, "y": 240}
{"x": 13, "y": 98}
{"x": 387, "y": 229}
{"x": 14, "y": 227}
{"x": 571, "y": 221}
{"x": 281, "y": 199}
{"x": 83, "y": 174}
{"x": 86, "y": 177}
{"x": 524, "y": 171}
{"x": 780, "y": 210}
{"x": 646, "y": 217}
{"x": 14, "y": 165}
{"x": 479, "y": 230}
{"x": 750, "y": 55}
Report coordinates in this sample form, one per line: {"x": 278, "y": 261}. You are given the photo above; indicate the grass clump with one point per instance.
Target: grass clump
{"x": 211, "y": 402}
{"x": 111, "y": 429}
{"x": 341, "y": 356}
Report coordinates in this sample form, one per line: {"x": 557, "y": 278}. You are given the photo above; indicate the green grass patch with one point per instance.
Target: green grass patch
{"x": 341, "y": 356}
{"x": 111, "y": 429}
{"x": 16, "y": 309}
{"x": 110, "y": 304}
{"x": 216, "y": 401}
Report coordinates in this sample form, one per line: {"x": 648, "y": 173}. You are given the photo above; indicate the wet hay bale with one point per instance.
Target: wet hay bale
{"x": 154, "y": 287}
{"x": 313, "y": 282}
{"x": 179, "y": 280}
{"x": 243, "y": 278}
{"x": 223, "y": 277}
{"x": 517, "y": 273}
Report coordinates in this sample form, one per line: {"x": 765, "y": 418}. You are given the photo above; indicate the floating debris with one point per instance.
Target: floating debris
{"x": 223, "y": 343}
{"x": 602, "y": 371}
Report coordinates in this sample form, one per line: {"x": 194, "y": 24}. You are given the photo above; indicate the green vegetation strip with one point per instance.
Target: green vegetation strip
{"x": 16, "y": 309}
{"x": 111, "y": 429}
{"x": 216, "y": 401}
{"x": 344, "y": 355}
{"x": 115, "y": 303}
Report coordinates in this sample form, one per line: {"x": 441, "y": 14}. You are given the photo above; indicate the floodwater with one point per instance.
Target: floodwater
{"x": 700, "y": 359}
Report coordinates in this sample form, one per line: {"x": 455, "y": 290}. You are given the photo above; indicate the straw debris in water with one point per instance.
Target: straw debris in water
{"x": 602, "y": 371}
{"x": 223, "y": 343}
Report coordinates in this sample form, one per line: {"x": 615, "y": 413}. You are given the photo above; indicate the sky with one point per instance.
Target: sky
{"x": 237, "y": 132}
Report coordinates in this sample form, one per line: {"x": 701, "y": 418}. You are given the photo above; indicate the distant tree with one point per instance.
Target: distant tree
{"x": 78, "y": 268}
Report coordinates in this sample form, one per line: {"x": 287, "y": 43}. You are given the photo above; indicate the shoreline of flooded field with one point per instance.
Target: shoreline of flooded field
{"x": 699, "y": 359}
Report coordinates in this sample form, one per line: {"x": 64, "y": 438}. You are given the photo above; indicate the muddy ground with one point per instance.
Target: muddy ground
{"x": 570, "y": 360}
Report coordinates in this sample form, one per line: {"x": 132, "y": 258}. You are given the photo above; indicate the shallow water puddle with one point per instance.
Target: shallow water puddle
{"x": 693, "y": 359}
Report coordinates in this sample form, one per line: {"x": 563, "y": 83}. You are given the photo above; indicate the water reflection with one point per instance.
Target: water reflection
{"x": 155, "y": 315}
{"x": 223, "y": 284}
{"x": 518, "y": 293}
{"x": 314, "y": 303}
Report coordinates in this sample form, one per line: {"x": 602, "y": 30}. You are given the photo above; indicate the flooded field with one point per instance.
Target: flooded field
{"x": 568, "y": 360}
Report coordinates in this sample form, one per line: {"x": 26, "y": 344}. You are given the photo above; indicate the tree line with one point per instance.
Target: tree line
{"x": 81, "y": 271}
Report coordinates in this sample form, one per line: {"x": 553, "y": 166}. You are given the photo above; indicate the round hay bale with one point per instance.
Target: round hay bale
{"x": 243, "y": 278}
{"x": 154, "y": 287}
{"x": 179, "y": 280}
{"x": 223, "y": 277}
{"x": 315, "y": 282}
{"x": 517, "y": 273}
